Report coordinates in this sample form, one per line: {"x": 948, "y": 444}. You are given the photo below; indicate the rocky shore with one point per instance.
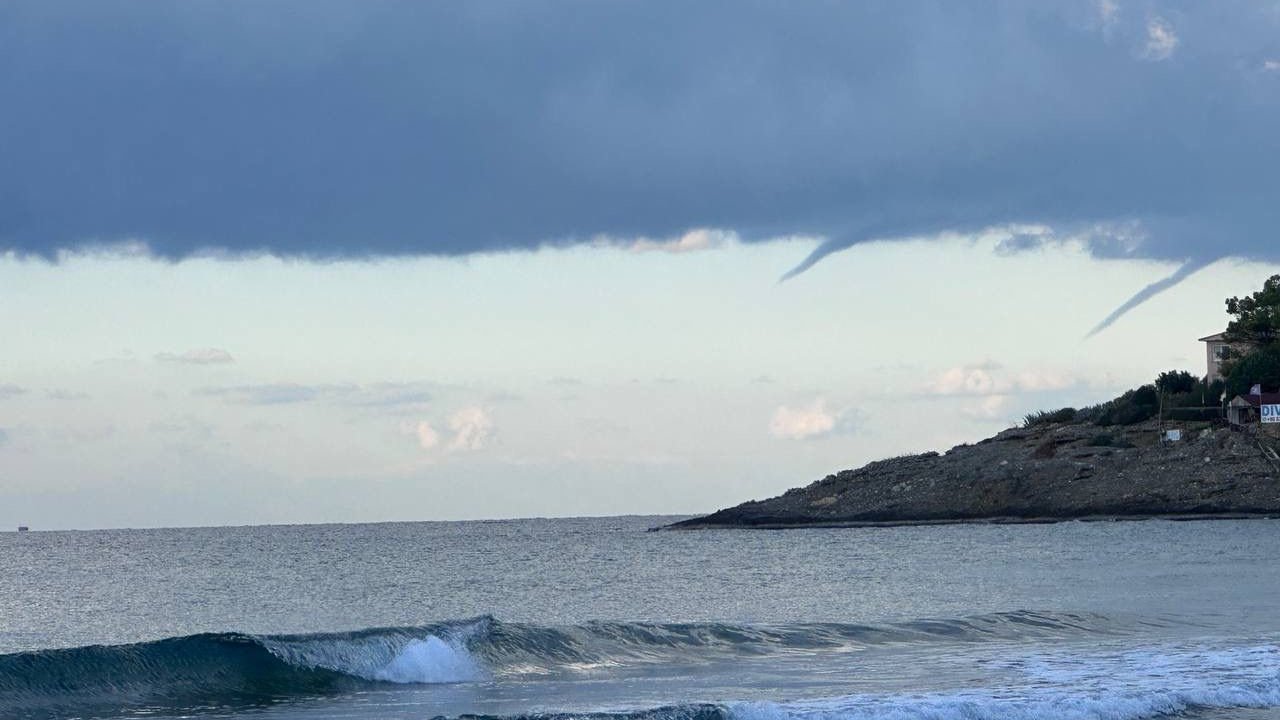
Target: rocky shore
{"x": 1046, "y": 473}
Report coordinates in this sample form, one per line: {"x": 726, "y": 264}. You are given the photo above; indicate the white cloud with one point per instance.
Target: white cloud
{"x": 472, "y": 428}
{"x": 692, "y": 241}
{"x": 811, "y": 421}
{"x": 990, "y": 407}
{"x": 427, "y": 436}
{"x": 1042, "y": 380}
{"x": 990, "y": 378}
{"x": 199, "y": 356}
{"x": 425, "y": 433}
{"x": 1271, "y": 65}
{"x": 1108, "y": 13}
{"x": 9, "y": 391}
{"x": 966, "y": 380}
{"x": 1161, "y": 39}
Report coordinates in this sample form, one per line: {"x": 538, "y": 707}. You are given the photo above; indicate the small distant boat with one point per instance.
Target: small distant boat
{"x": 23, "y": 528}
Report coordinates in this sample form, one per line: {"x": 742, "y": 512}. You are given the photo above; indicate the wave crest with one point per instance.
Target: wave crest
{"x": 237, "y": 668}
{"x": 430, "y": 655}
{"x": 228, "y": 669}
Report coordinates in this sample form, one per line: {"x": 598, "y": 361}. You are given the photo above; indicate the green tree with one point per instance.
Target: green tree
{"x": 1176, "y": 382}
{"x": 1255, "y": 331}
{"x": 1257, "y": 316}
{"x": 1261, "y": 366}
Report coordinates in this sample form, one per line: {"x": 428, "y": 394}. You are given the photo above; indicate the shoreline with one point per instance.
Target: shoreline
{"x": 995, "y": 520}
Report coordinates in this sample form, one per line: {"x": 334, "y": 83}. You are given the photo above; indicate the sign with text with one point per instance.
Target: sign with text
{"x": 1271, "y": 413}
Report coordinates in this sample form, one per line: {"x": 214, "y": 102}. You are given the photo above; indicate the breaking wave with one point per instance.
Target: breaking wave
{"x": 237, "y": 669}
{"x": 230, "y": 669}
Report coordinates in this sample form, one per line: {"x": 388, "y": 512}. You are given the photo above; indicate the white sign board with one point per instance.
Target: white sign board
{"x": 1271, "y": 413}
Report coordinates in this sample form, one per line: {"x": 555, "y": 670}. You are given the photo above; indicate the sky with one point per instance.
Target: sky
{"x": 340, "y": 262}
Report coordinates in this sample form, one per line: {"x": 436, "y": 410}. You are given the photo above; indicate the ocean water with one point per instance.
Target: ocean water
{"x": 598, "y": 619}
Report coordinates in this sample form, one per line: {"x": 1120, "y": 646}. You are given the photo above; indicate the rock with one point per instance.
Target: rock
{"x": 1036, "y": 475}
{"x": 1045, "y": 450}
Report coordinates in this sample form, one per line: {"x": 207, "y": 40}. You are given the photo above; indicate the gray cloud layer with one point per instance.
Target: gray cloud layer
{"x": 374, "y": 396}
{"x": 198, "y": 356}
{"x": 387, "y": 128}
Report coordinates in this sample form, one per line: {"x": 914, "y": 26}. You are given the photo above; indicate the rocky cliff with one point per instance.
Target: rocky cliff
{"x": 1040, "y": 474}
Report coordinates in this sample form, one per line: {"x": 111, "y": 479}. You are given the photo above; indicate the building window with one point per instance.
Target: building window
{"x": 1219, "y": 353}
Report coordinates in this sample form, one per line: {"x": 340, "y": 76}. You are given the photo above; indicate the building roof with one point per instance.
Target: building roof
{"x": 1216, "y": 337}
{"x": 1256, "y": 400}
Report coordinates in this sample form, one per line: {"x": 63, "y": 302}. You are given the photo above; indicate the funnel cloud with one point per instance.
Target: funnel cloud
{"x": 1182, "y": 273}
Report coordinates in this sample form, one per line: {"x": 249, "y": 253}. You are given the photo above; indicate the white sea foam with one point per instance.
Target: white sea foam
{"x": 386, "y": 657}
{"x": 1126, "y": 685}
{"x": 1037, "y": 705}
{"x": 431, "y": 661}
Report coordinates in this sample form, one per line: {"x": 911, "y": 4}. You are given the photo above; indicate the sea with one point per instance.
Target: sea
{"x": 598, "y": 619}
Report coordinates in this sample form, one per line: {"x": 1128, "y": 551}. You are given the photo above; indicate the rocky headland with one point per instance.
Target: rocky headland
{"x": 1046, "y": 473}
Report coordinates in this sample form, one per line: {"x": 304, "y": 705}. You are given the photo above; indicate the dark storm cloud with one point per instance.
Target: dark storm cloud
{"x": 327, "y": 129}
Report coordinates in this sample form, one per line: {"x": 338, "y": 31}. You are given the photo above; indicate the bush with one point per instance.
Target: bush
{"x": 1049, "y": 417}
{"x": 1185, "y": 398}
{"x": 1144, "y": 396}
{"x": 1215, "y": 392}
{"x": 1131, "y": 408}
{"x": 1199, "y": 401}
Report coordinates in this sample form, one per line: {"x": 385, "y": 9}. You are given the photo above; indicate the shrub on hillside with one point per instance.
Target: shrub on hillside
{"x": 1049, "y": 417}
{"x": 1131, "y": 408}
{"x": 1182, "y": 396}
{"x": 1202, "y": 401}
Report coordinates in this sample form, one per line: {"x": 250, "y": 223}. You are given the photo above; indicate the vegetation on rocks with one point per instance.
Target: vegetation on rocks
{"x": 1177, "y": 394}
{"x": 1254, "y": 332}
